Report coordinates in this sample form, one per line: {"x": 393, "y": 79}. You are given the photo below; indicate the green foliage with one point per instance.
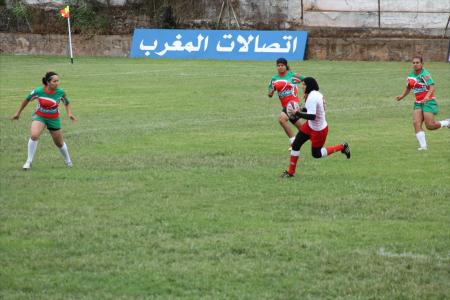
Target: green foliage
{"x": 19, "y": 10}
{"x": 87, "y": 19}
{"x": 175, "y": 193}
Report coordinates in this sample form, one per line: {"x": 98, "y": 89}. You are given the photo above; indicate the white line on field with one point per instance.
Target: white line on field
{"x": 384, "y": 253}
{"x": 166, "y": 124}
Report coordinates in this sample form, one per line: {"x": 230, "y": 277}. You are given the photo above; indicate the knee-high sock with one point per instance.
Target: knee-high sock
{"x": 421, "y": 138}
{"x": 293, "y": 162}
{"x": 65, "y": 153}
{"x": 32, "y": 145}
{"x": 329, "y": 150}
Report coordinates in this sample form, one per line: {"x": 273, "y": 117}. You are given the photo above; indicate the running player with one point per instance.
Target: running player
{"x": 315, "y": 129}
{"x": 425, "y": 107}
{"x": 47, "y": 115}
{"x": 285, "y": 83}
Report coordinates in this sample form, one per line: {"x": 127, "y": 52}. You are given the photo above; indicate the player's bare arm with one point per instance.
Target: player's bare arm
{"x": 404, "y": 93}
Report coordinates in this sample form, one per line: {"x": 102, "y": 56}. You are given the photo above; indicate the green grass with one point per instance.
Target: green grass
{"x": 175, "y": 191}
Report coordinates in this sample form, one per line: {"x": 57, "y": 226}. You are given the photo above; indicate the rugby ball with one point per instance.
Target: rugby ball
{"x": 291, "y": 108}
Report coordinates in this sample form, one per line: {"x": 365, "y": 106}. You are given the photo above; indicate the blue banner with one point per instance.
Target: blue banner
{"x": 218, "y": 44}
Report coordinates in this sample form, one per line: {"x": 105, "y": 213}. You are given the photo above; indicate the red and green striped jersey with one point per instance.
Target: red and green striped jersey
{"x": 286, "y": 86}
{"x": 48, "y": 102}
{"x": 420, "y": 84}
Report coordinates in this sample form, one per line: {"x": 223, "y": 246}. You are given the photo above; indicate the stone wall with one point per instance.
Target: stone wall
{"x": 56, "y": 44}
{"x": 322, "y": 44}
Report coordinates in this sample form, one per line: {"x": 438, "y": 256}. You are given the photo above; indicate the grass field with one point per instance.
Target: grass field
{"x": 175, "y": 190}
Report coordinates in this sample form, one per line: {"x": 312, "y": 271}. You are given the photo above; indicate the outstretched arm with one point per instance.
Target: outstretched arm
{"x": 19, "y": 111}
{"x": 404, "y": 93}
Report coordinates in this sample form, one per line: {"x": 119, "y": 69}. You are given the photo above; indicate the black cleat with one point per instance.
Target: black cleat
{"x": 346, "y": 150}
{"x": 286, "y": 174}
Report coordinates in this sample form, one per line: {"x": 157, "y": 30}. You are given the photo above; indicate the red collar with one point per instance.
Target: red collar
{"x": 46, "y": 90}
{"x": 418, "y": 72}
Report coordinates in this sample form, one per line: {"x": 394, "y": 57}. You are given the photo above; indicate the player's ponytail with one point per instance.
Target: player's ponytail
{"x": 311, "y": 85}
{"x": 48, "y": 76}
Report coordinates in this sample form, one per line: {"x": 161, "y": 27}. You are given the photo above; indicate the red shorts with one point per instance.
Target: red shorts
{"x": 318, "y": 138}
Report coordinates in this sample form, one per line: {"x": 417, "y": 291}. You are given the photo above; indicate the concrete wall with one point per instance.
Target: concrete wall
{"x": 323, "y": 44}
{"x": 348, "y": 13}
{"x": 330, "y": 13}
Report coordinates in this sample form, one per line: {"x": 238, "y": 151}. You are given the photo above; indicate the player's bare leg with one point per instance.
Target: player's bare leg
{"x": 418, "y": 118}
{"x": 284, "y": 122}
{"x": 59, "y": 142}
{"x": 36, "y": 131}
{"x": 431, "y": 124}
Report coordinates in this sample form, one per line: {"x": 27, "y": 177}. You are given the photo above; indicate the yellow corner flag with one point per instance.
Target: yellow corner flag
{"x": 65, "y": 12}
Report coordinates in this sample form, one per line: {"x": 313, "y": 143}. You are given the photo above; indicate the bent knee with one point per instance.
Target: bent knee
{"x": 316, "y": 154}
{"x": 59, "y": 144}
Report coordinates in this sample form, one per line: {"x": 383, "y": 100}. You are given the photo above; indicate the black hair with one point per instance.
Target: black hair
{"x": 419, "y": 57}
{"x": 48, "y": 76}
{"x": 283, "y": 61}
{"x": 311, "y": 85}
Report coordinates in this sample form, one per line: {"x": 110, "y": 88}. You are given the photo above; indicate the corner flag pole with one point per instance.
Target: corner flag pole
{"x": 70, "y": 40}
{"x": 65, "y": 13}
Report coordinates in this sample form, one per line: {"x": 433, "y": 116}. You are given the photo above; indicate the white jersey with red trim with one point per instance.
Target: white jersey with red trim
{"x": 315, "y": 105}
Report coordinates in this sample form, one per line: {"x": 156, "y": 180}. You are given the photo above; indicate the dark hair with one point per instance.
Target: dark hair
{"x": 419, "y": 57}
{"x": 283, "y": 61}
{"x": 311, "y": 85}
{"x": 48, "y": 76}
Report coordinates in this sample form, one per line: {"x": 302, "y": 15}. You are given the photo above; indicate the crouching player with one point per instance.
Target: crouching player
{"x": 49, "y": 97}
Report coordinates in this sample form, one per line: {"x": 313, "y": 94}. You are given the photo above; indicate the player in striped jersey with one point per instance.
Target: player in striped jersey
{"x": 425, "y": 107}
{"x": 315, "y": 129}
{"x": 48, "y": 96}
{"x": 285, "y": 83}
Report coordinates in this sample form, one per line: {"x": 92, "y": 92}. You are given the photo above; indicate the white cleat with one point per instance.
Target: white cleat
{"x": 69, "y": 164}
{"x": 448, "y": 124}
{"x": 27, "y": 166}
{"x": 422, "y": 148}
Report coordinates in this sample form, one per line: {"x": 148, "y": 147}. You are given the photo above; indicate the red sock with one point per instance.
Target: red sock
{"x": 293, "y": 164}
{"x": 335, "y": 148}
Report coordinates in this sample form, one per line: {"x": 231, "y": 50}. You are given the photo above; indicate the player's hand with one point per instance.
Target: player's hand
{"x": 426, "y": 99}
{"x": 398, "y": 98}
{"x": 15, "y": 117}
{"x": 72, "y": 117}
{"x": 270, "y": 94}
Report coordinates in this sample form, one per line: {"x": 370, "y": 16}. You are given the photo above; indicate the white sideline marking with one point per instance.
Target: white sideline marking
{"x": 167, "y": 124}
{"x": 384, "y": 253}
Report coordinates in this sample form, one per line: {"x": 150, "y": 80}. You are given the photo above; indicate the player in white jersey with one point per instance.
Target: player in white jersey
{"x": 315, "y": 129}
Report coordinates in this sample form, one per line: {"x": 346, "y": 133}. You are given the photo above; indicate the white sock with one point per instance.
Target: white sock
{"x": 444, "y": 123}
{"x": 291, "y": 140}
{"x": 324, "y": 152}
{"x": 65, "y": 153}
{"x": 421, "y": 138}
{"x": 32, "y": 145}
{"x": 295, "y": 153}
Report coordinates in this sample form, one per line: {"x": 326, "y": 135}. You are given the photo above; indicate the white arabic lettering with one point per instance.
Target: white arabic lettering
{"x": 177, "y": 45}
{"x": 275, "y": 47}
{"x": 244, "y": 42}
{"x": 230, "y": 48}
